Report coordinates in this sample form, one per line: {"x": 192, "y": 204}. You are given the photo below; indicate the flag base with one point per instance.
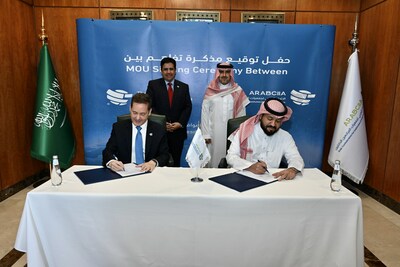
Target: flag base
{"x": 196, "y": 180}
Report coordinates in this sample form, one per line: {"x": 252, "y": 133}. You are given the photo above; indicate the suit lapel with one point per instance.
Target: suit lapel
{"x": 176, "y": 92}
{"x": 149, "y": 138}
{"x": 128, "y": 138}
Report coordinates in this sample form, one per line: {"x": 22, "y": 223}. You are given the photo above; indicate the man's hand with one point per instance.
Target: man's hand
{"x": 287, "y": 174}
{"x": 173, "y": 126}
{"x": 147, "y": 166}
{"x": 259, "y": 167}
{"x": 116, "y": 165}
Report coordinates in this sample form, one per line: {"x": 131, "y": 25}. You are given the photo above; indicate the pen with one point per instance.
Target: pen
{"x": 123, "y": 167}
{"x": 265, "y": 168}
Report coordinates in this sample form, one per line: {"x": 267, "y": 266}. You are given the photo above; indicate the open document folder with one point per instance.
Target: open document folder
{"x": 130, "y": 169}
{"x": 105, "y": 174}
{"x": 244, "y": 180}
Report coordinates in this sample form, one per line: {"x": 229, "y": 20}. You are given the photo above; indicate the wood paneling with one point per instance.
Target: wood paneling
{"x": 66, "y": 3}
{"x": 365, "y": 4}
{"x": 60, "y": 24}
{"x": 379, "y": 67}
{"x": 338, "y": 5}
{"x": 146, "y": 4}
{"x": 260, "y": 5}
{"x": 29, "y": 2}
{"x": 17, "y": 92}
{"x": 344, "y": 23}
{"x": 391, "y": 185}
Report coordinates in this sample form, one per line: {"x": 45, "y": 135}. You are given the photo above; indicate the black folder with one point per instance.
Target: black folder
{"x": 97, "y": 175}
{"x": 238, "y": 181}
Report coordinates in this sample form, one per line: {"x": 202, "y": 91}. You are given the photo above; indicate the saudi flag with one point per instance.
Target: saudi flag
{"x": 349, "y": 142}
{"x": 52, "y": 131}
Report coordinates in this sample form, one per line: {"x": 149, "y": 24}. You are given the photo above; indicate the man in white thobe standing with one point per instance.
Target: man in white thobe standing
{"x": 224, "y": 99}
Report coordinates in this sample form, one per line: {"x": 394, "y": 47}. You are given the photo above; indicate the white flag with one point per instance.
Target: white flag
{"x": 198, "y": 155}
{"x": 349, "y": 142}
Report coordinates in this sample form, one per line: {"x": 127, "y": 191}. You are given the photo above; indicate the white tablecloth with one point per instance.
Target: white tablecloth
{"x": 163, "y": 219}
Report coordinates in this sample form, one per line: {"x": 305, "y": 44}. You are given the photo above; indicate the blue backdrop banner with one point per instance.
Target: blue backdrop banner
{"x": 291, "y": 62}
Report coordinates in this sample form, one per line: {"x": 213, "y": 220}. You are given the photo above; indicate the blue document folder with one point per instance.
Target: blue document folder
{"x": 99, "y": 175}
{"x": 238, "y": 181}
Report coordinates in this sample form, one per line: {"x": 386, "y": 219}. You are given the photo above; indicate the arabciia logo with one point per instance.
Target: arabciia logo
{"x": 118, "y": 97}
{"x": 301, "y": 97}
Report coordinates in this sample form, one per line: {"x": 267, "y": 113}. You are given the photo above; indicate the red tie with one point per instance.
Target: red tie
{"x": 170, "y": 94}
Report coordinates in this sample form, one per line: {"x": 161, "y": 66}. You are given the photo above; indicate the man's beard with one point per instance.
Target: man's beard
{"x": 269, "y": 130}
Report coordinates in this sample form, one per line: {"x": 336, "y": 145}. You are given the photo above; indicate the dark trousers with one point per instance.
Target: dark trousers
{"x": 175, "y": 143}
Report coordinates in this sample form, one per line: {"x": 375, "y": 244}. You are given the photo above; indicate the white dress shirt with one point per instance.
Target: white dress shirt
{"x": 269, "y": 149}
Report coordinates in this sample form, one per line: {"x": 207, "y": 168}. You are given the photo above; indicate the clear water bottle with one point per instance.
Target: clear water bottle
{"x": 55, "y": 175}
{"x": 336, "y": 181}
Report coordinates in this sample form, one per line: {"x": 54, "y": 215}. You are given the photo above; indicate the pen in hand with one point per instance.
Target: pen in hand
{"x": 264, "y": 167}
{"x": 123, "y": 167}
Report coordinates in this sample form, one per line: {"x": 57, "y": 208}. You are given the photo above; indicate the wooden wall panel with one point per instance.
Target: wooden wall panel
{"x": 379, "y": 59}
{"x": 365, "y": 4}
{"x": 60, "y": 24}
{"x": 29, "y": 2}
{"x": 338, "y": 5}
{"x": 260, "y": 5}
{"x": 133, "y": 3}
{"x": 17, "y": 92}
{"x": 391, "y": 185}
{"x": 344, "y": 23}
{"x": 199, "y": 5}
{"x": 66, "y": 3}
{"x": 380, "y": 53}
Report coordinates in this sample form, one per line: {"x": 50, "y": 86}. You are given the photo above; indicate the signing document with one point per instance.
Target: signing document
{"x": 265, "y": 177}
{"x": 130, "y": 169}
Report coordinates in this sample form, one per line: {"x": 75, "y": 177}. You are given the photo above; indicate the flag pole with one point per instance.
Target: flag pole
{"x": 354, "y": 41}
{"x": 42, "y": 35}
{"x": 349, "y": 141}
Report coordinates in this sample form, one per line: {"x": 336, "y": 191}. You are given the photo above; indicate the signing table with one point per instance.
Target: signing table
{"x": 163, "y": 219}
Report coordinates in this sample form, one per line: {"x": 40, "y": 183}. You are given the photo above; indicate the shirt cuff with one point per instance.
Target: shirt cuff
{"x": 156, "y": 161}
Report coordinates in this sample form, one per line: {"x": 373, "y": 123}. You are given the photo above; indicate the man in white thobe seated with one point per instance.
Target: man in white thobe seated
{"x": 260, "y": 143}
{"x": 224, "y": 99}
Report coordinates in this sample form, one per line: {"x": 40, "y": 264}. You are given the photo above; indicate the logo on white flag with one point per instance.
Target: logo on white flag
{"x": 349, "y": 142}
{"x": 198, "y": 155}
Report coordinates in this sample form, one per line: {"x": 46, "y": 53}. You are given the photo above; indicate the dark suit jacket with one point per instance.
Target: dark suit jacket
{"x": 120, "y": 143}
{"x": 181, "y": 102}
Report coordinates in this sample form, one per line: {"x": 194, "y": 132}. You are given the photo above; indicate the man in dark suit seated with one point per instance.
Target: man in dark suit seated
{"x": 171, "y": 98}
{"x": 128, "y": 136}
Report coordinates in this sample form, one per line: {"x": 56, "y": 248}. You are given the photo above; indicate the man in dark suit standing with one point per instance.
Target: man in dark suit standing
{"x": 171, "y": 98}
{"x": 127, "y": 138}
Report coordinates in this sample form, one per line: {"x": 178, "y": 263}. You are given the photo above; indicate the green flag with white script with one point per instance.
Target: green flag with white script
{"x": 52, "y": 131}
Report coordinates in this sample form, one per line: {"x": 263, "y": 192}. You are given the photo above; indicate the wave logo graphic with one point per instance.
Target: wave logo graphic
{"x": 118, "y": 97}
{"x": 301, "y": 97}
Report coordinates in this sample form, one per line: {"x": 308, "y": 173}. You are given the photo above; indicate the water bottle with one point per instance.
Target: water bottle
{"x": 336, "y": 181}
{"x": 55, "y": 175}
